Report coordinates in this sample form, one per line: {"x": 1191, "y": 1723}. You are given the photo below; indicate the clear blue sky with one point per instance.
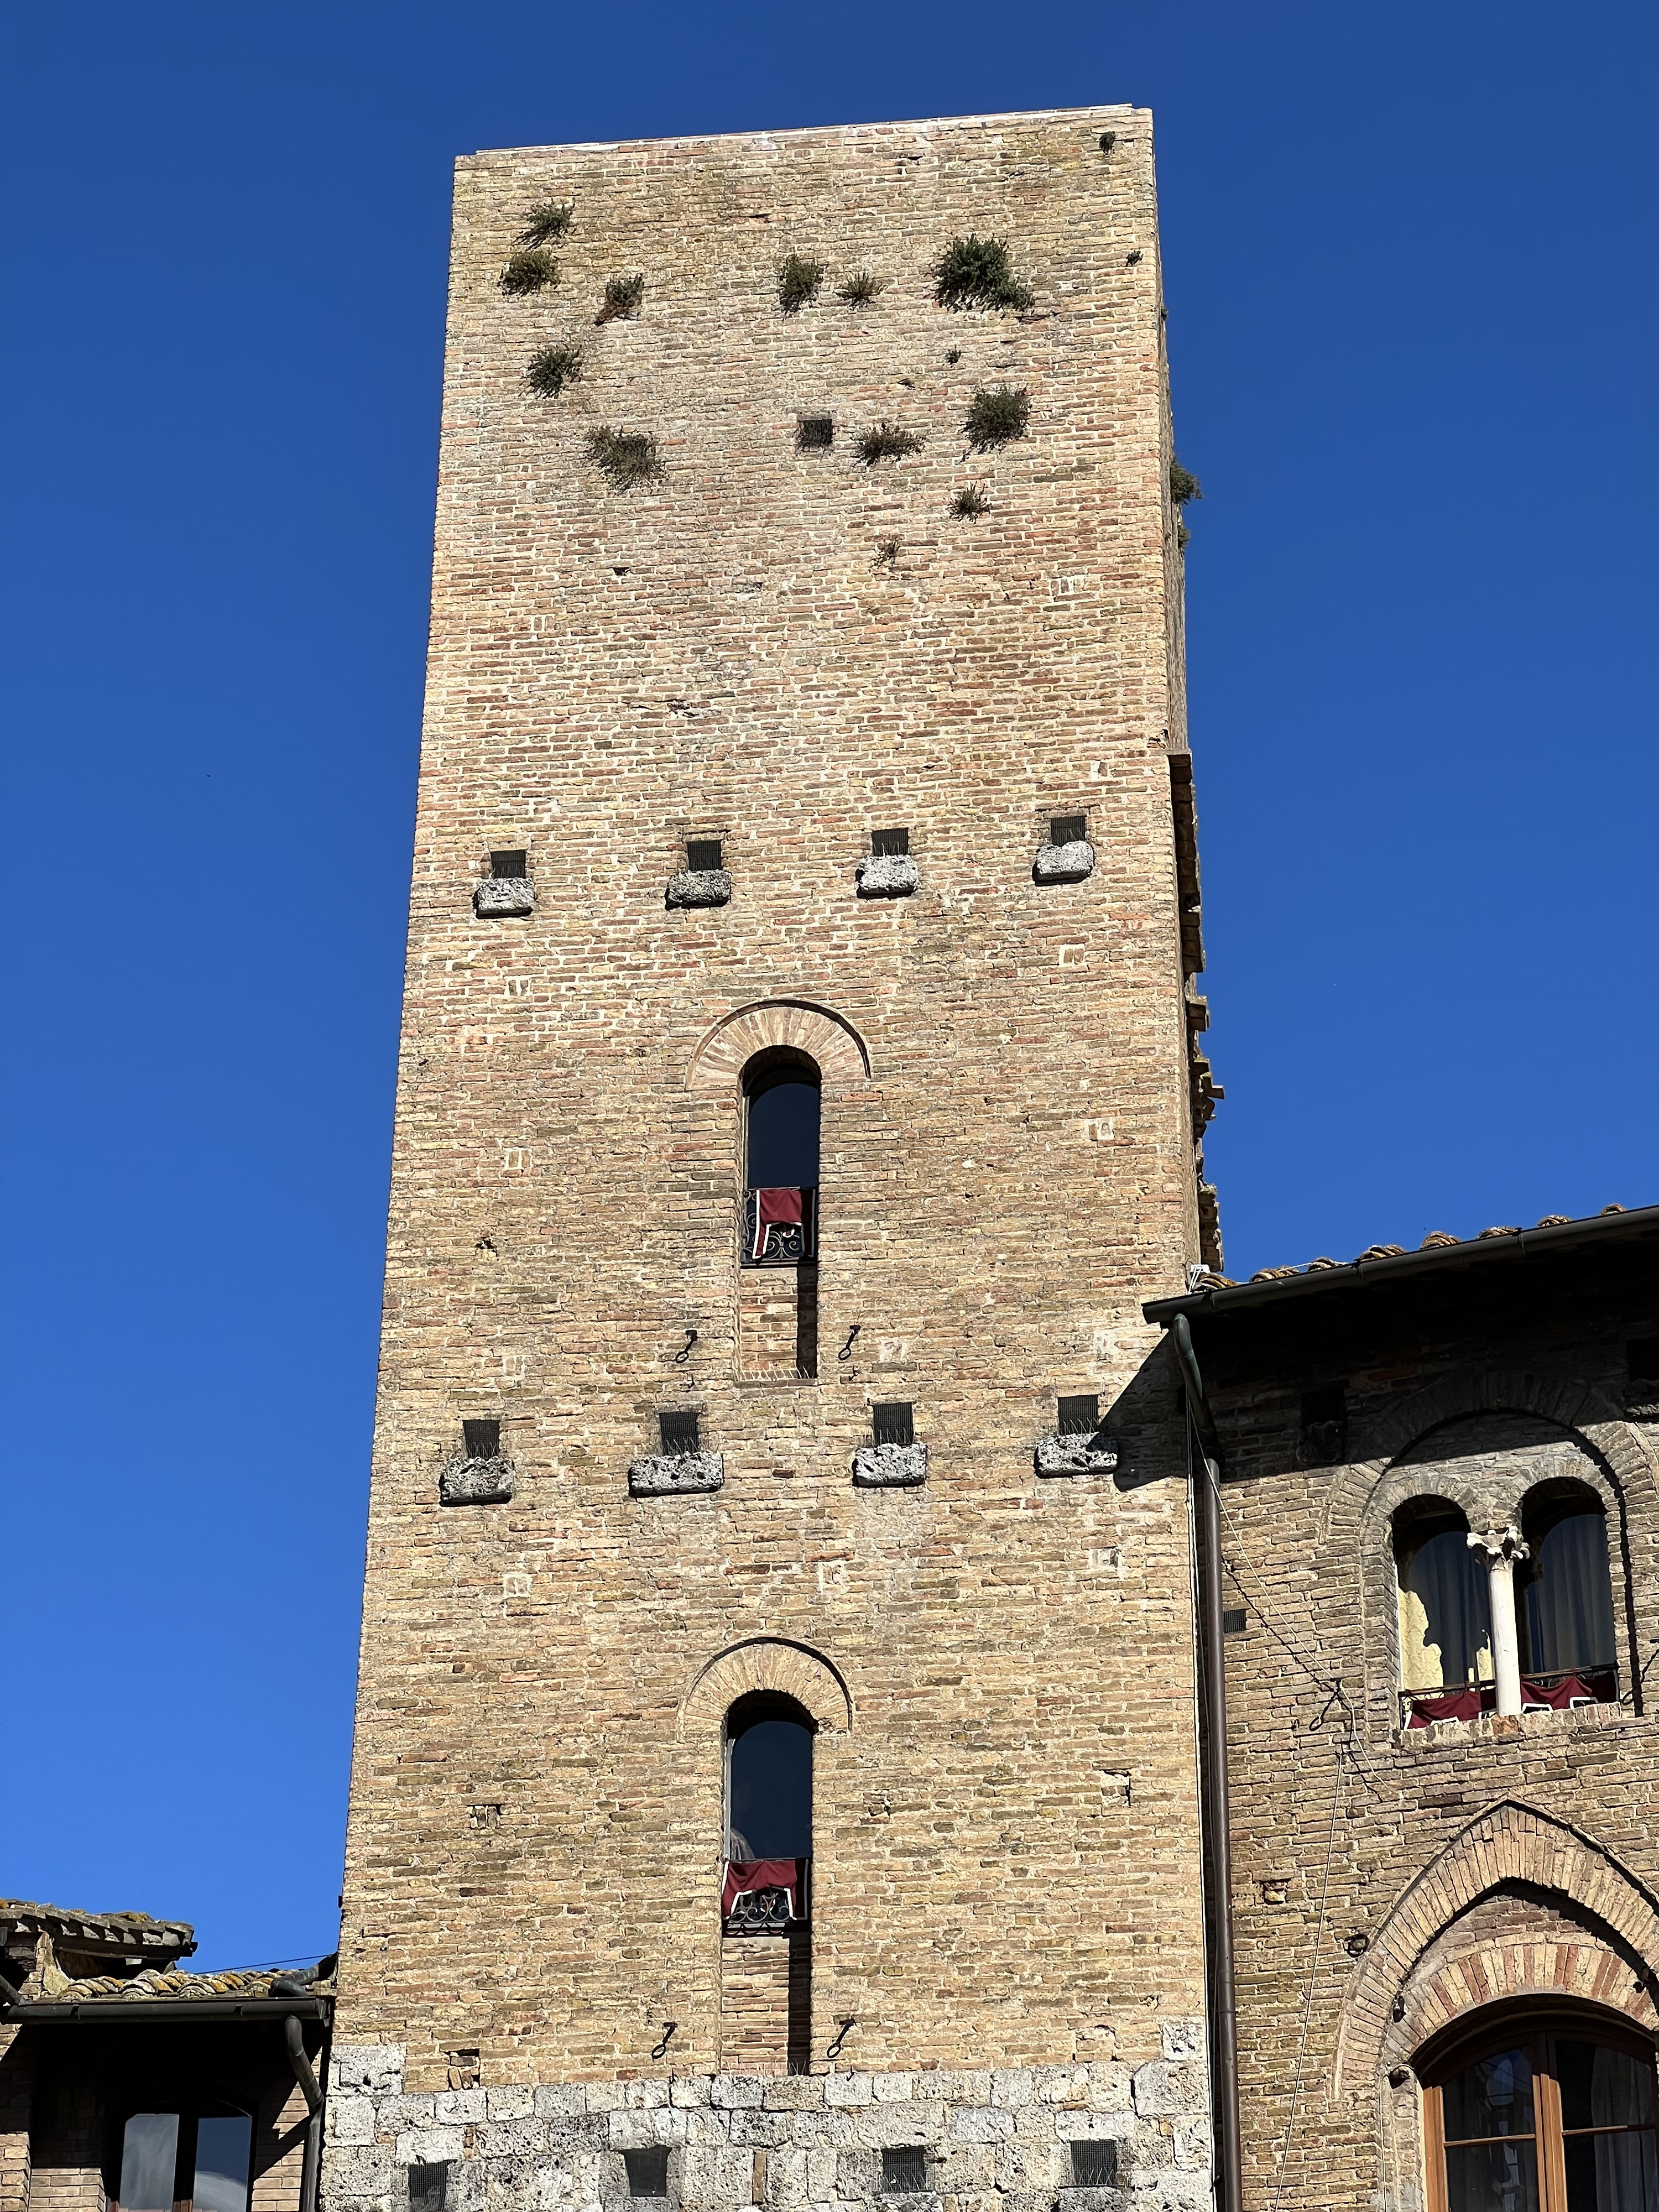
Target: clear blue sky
{"x": 1409, "y": 256}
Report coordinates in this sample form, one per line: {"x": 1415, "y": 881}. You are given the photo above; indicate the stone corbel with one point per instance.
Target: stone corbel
{"x": 1091, "y": 1453}
{"x": 699, "y": 887}
{"x": 477, "y": 1481}
{"x": 1064, "y": 863}
{"x": 890, "y": 1467}
{"x": 500, "y": 896}
{"x": 659, "y": 1475}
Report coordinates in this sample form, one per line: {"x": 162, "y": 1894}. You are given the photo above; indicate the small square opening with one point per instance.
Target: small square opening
{"x": 508, "y": 867}
{"x": 482, "y": 1439}
{"x": 1232, "y": 1620}
{"x": 889, "y": 844}
{"x": 904, "y": 2171}
{"x": 428, "y": 2186}
{"x": 647, "y": 2171}
{"x": 1079, "y": 1416}
{"x": 1642, "y": 1359}
{"x": 1094, "y": 2165}
{"x": 702, "y": 854}
{"x": 814, "y": 432}
{"x": 1068, "y": 829}
{"x": 894, "y": 1423}
{"x": 680, "y": 1434}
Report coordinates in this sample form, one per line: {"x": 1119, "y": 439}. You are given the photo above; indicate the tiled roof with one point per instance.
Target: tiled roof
{"x": 1437, "y": 1240}
{"x": 137, "y": 1928}
{"x": 240, "y": 1982}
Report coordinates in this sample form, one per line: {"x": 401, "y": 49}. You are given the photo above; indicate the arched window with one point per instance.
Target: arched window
{"x": 1445, "y": 1612}
{"x": 781, "y": 1097}
{"x": 1542, "y": 2116}
{"x": 769, "y": 1812}
{"x": 1565, "y": 1610}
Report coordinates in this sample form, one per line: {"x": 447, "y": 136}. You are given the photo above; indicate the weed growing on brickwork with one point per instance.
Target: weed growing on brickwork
{"x": 623, "y": 295}
{"x": 529, "y": 272}
{"x": 887, "y": 442}
{"x": 978, "y": 272}
{"x": 862, "y": 286}
{"x": 799, "y": 282}
{"x": 1108, "y": 140}
{"x": 954, "y": 356}
{"x": 552, "y": 368}
{"x": 1183, "y": 485}
{"x": 995, "y": 417}
{"x": 1183, "y": 537}
{"x": 887, "y": 549}
{"x": 627, "y": 456}
{"x": 551, "y": 220}
{"x": 966, "y": 504}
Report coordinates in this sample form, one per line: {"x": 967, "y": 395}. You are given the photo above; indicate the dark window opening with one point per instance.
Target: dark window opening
{"x": 783, "y": 1123}
{"x": 1324, "y": 1425}
{"x": 702, "y": 855}
{"x": 768, "y": 1787}
{"x": 1578, "y": 2100}
{"x": 1094, "y": 2165}
{"x": 904, "y": 2171}
{"x": 508, "y": 867}
{"x": 814, "y": 432}
{"x": 175, "y": 2161}
{"x": 680, "y": 1434}
{"x": 894, "y": 1423}
{"x": 647, "y": 2172}
{"x": 889, "y": 844}
{"x": 482, "y": 1439}
{"x": 428, "y": 2186}
{"x": 1233, "y": 1620}
{"x": 1068, "y": 829}
{"x": 1642, "y": 1360}
{"x": 1079, "y": 1416}
{"x": 1564, "y": 1593}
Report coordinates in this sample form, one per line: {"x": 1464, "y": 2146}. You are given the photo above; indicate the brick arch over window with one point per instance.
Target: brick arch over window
{"x": 1513, "y": 1850}
{"x": 766, "y": 1663}
{"x": 1372, "y": 1485}
{"x": 841, "y": 1052}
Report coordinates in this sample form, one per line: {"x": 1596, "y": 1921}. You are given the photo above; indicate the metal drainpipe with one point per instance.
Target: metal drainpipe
{"x": 293, "y": 2035}
{"x": 1218, "y": 1845}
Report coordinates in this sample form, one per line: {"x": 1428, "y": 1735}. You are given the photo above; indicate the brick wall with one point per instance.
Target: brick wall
{"x": 1003, "y": 1870}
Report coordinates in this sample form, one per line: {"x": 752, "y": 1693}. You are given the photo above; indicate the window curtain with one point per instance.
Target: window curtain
{"x": 1445, "y": 1615}
{"x": 1566, "y": 1620}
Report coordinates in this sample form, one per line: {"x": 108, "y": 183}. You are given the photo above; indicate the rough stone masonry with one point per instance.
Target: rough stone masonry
{"x": 721, "y": 564}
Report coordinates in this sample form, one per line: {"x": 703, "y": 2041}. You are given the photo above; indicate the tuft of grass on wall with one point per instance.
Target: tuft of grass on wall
{"x": 862, "y": 285}
{"x": 626, "y": 457}
{"x": 799, "y": 282}
{"x": 548, "y": 221}
{"x": 887, "y": 552}
{"x": 887, "y": 442}
{"x": 530, "y": 272}
{"x": 969, "y": 503}
{"x": 552, "y": 368}
{"x": 623, "y": 295}
{"x": 997, "y": 415}
{"x": 979, "y": 272}
{"x": 1183, "y": 485}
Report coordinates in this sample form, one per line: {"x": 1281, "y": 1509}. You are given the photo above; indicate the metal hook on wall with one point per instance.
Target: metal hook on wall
{"x": 846, "y": 2025}
{"x": 668, "y": 2027}
{"x": 845, "y": 1352}
{"x": 680, "y": 1358}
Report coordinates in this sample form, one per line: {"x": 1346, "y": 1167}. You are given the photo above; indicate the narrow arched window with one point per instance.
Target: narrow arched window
{"x": 781, "y": 1099}
{"x": 1565, "y": 1612}
{"x": 769, "y": 1812}
{"x": 1445, "y": 1615}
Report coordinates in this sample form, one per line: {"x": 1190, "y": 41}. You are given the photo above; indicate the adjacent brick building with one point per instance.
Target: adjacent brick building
{"x": 799, "y": 1097}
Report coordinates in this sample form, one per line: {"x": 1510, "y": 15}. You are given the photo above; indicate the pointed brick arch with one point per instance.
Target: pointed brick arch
{"x": 1511, "y": 1847}
{"x": 826, "y": 1036}
{"x": 767, "y": 1662}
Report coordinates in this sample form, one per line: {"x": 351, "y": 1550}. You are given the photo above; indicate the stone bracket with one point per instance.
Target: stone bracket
{"x": 890, "y": 875}
{"x": 890, "y": 1467}
{"x": 1094, "y": 1454}
{"x": 699, "y": 887}
{"x": 1064, "y": 863}
{"x": 673, "y": 1475}
{"x": 499, "y": 895}
{"x": 477, "y": 1482}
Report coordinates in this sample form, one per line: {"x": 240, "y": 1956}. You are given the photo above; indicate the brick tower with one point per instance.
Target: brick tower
{"x": 774, "y": 1780}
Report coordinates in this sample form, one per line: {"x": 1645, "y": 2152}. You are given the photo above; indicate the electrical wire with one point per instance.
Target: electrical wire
{"x": 1337, "y": 1748}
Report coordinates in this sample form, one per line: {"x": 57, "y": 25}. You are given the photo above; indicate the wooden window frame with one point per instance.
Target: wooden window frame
{"x": 1535, "y": 2031}
{"x": 190, "y": 2111}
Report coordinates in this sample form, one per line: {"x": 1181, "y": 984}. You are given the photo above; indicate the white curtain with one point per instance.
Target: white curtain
{"x": 1445, "y": 1615}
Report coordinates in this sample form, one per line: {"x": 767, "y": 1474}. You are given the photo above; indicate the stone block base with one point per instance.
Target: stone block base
{"x": 995, "y": 2140}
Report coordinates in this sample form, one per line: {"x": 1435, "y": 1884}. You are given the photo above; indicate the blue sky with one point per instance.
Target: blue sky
{"x": 1408, "y": 257}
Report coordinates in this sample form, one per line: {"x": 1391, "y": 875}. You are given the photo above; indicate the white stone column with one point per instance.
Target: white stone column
{"x": 1501, "y": 1549}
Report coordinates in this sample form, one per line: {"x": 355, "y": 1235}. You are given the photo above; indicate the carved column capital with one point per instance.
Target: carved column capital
{"x": 1504, "y": 1547}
